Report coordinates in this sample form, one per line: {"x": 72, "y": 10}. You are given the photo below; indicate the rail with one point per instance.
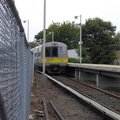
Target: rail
{"x": 103, "y": 110}
{"x": 56, "y": 111}
{"x": 46, "y": 110}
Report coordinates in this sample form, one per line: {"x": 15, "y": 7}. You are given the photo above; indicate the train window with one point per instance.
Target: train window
{"x": 51, "y": 52}
{"x": 47, "y": 51}
{"x": 35, "y": 54}
{"x": 39, "y": 54}
{"x": 55, "y": 52}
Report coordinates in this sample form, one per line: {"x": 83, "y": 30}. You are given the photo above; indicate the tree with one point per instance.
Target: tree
{"x": 39, "y": 36}
{"x": 32, "y": 44}
{"x": 65, "y": 32}
{"x": 97, "y": 36}
{"x": 69, "y": 34}
{"x": 117, "y": 38}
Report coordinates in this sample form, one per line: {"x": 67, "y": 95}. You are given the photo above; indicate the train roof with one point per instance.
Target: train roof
{"x": 55, "y": 44}
{"x": 35, "y": 48}
{"x": 49, "y": 44}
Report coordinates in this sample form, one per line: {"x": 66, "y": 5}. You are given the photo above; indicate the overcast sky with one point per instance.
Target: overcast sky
{"x": 65, "y": 10}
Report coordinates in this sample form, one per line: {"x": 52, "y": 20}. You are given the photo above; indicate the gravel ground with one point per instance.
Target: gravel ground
{"x": 105, "y": 99}
{"x": 69, "y": 107}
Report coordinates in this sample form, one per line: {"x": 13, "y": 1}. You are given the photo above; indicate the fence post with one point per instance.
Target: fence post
{"x": 22, "y": 77}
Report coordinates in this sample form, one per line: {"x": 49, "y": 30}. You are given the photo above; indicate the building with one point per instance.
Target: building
{"x": 72, "y": 54}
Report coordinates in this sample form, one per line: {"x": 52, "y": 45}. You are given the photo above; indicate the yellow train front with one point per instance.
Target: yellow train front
{"x": 56, "y": 57}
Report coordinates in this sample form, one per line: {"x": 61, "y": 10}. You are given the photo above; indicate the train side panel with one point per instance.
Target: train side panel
{"x": 56, "y": 57}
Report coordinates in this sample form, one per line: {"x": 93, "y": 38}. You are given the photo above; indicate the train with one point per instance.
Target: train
{"x": 56, "y": 57}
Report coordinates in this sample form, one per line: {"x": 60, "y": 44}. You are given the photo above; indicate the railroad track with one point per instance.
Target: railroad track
{"x": 105, "y": 90}
{"x": 50, "y": 106}
{"x": 57, "y": 113}
{"x": 107, "y": 99}
{"x": 74, "y": 88}
{"x": 49, "y": 111}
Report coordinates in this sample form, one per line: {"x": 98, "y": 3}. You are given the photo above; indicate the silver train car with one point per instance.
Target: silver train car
{"x": 56, "y": 57}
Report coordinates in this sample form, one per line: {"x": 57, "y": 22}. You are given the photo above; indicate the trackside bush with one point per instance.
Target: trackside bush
{"x": 73, "y": 60}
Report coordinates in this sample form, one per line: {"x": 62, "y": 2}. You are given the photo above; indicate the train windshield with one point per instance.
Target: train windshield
{"x": 51, "y": 52}
{"x": 47, "y": 51}
{"x": 54, "y": 52}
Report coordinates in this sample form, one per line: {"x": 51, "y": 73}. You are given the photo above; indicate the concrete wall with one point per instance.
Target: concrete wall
{"x": 106, "y": 81}
{"x": 102, "y": 79}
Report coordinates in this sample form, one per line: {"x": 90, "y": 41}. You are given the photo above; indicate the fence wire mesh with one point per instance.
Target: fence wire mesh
{"x": 15, "y": 67}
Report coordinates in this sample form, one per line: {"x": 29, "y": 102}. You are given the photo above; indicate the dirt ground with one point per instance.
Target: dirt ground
{"x": 69, "y": 107}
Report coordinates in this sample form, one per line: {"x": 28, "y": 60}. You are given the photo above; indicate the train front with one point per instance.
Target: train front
{"x": 56, "y": 57}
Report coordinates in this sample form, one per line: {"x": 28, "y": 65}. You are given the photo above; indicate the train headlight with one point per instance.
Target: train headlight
{"x": 62, "y": 60}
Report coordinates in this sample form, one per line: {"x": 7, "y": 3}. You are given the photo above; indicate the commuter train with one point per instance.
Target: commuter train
{"x": 56, "y": 57}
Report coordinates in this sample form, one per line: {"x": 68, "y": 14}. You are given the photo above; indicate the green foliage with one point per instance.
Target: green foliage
{"x": 117, "y": 38}
{"x": 97, "y": 36}
{"x": 68, "y": 33}
{"x": 86, "y": 60}
{"x": 65, "y": 32}
{"x": 39, "y": 35}
{"x": 54, "y": 27}
{"x": 32, "y": 44}
{"x": 73, "y": 60}
{"x": 98, "y": 32}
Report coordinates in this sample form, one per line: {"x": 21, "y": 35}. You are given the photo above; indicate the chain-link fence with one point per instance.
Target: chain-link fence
{"x": 16, "y": 65}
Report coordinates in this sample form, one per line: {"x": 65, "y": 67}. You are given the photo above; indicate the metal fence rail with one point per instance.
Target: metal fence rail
{"x": 16, "y": 65}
